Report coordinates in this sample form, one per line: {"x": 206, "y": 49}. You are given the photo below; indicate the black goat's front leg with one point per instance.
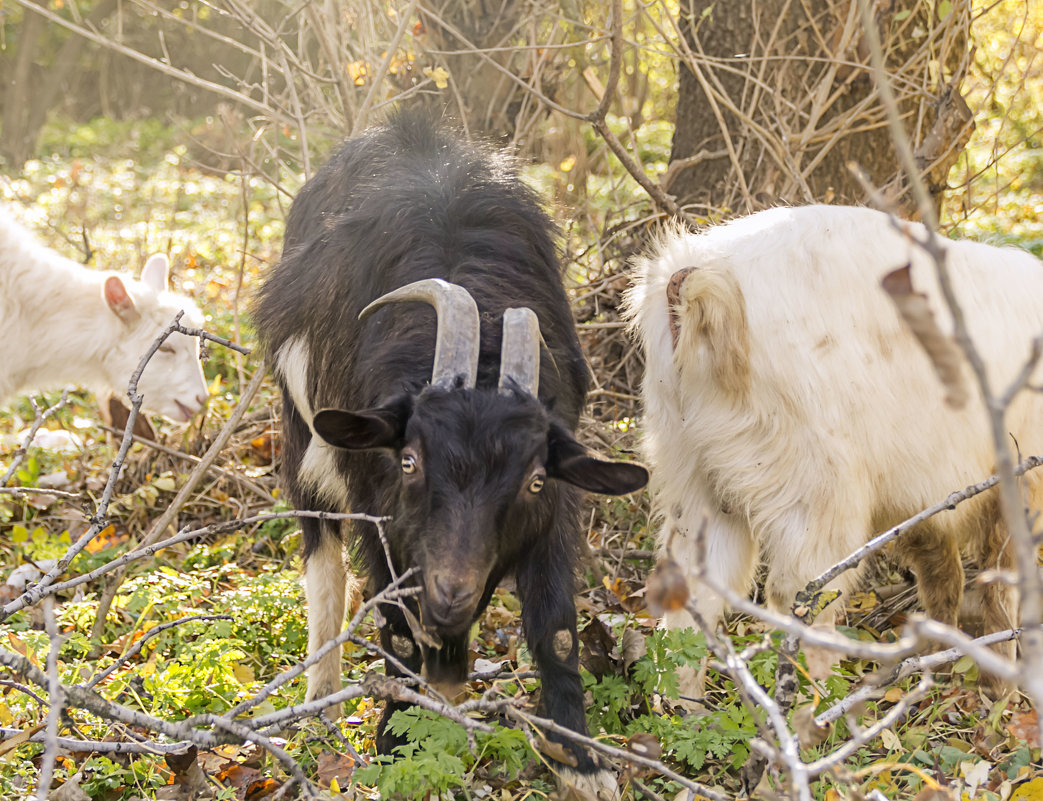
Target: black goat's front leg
{"x": 443, "y": 667}
{"x": 397, "y": 641}
{"x": 545, "y": 585}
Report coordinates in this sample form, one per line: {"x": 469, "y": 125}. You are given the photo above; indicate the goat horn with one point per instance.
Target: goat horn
{"x": 456, "y": 343}
{"x": 520, "y": 351}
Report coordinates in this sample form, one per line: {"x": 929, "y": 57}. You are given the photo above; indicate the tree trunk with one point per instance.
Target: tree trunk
{"x": 477, "y": 89}
{"x": 39, "y": 78}
{"x": 16, "y": 138}
{"x": 777, "y": 101}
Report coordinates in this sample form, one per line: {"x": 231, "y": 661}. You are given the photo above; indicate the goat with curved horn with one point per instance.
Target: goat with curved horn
{"x": 457, "y": 340}
{"x": 477, "y": 479}
{"x": 520, "y": 351}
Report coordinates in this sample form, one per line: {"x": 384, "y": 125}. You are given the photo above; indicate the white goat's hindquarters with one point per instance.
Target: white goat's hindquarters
{"x": 842, "y": 429}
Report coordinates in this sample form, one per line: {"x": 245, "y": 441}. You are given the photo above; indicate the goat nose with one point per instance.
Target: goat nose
{"x": 452, "y": 597}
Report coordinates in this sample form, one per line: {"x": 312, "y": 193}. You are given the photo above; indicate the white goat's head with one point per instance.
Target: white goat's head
{"x": 173, "y": 383}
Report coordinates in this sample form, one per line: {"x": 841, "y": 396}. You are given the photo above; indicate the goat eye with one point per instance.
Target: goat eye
{"x": 535, "y": 484}
{"x": 408, "y": 463}
{"x": 166, "y": 348}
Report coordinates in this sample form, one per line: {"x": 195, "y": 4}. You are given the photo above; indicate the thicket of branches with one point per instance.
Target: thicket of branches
{"x": 562, "y": 83}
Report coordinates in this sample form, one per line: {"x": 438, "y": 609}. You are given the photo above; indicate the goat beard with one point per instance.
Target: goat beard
{"x": 445, "y": 668}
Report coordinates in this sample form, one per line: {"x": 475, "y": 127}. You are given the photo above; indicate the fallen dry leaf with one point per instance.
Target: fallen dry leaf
{"x": 809, "y": 733}
{"x": 235, "y": 775}
{"x": 70, "y": 791}
{"x": 667, "y": 589}
{"x": 262, "y": 788}
{"x": 334, "y": 766}
{"x": 1032, "y": 790}
{"x": 645, "y": 745}
{"x": 1024, "y": 726}
{"x": 598, "y": 652}
{"x": 942, "y": 350}
{"x": 556, "y": 751}
{"x": 187, "y": 771}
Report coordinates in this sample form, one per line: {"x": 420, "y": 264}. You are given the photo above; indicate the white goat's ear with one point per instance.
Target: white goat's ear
{"x": 156, "y": 272}
{"x": 119, "y": 300}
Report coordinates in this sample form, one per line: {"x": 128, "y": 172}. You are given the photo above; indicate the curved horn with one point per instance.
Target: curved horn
{"x": 520, "y": 351}
{"x": 456, "y": 344}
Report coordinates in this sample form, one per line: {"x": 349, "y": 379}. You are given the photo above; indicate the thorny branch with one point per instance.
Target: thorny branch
{"x": 40, "y": 417}
{"x": 160, "y": 526}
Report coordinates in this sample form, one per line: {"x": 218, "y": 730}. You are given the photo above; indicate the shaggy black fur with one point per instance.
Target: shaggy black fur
{"x": 404, "y": 202}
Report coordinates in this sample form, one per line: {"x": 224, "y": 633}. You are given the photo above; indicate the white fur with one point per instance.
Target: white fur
{"x": 325, "y": 586}
{"x": 841, "y": 430}
{"x": 601, "y": 785}
{"x": 326, "y": 576}
{"x": 56, "y": 328}
{"x": 318, "y": 470}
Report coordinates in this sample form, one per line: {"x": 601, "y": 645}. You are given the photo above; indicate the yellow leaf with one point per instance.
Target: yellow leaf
{"x": 893, "y": 695}
{"x": 148, "y": 668}
{"x": 567, "y": 163}
{"x": 334, "y": 786}
{"x": 1032, "y": 790}
{"x": 105, "y": 538}
{"x": 165, "y": 483}
{"x": 357, "y": 71}
{"x": 439, "y": 75}
{"x": 6, "y": 717}
{"x": 243, "y": 673}
{"x": 890, "y": 740}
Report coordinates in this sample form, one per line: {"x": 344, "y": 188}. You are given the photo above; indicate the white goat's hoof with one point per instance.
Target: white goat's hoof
{"x": 601, "y": 785}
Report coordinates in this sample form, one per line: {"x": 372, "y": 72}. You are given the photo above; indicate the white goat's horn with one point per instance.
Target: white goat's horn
{"x": 456, "y": 343}
{"x": 520, "y": 351}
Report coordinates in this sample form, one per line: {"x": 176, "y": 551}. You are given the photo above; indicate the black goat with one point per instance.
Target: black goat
{"x": 474, "y": 461}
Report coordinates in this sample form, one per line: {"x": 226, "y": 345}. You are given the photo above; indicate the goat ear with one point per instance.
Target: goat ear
{"x": 119, "y": 300}
{"x": 156, "y": 272}
{"x": 569, "y": 461}
{"x": 383, "y": 427}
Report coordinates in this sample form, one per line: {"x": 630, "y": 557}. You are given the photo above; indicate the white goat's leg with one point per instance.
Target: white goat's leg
{"x": 325, "y": 585}
{"x": 803, "y": 547}
{"x": 801, "y": 543}
{"x": 601, "y": 785}
{"x": 727, "y": 555}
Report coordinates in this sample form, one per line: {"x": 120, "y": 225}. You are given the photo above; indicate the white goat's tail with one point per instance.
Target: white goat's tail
{"x": 708, "y": 326}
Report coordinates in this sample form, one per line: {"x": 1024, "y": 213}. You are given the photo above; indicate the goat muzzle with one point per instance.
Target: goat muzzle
{"x": 450, "y": 601}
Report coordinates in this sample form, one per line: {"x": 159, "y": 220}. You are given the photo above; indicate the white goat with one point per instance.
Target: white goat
{"x": 797, "y": 414}
{"x": 62, "y": 323}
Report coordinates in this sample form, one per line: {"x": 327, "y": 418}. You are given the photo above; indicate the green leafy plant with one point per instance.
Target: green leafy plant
{"x": 437, "y": 756}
